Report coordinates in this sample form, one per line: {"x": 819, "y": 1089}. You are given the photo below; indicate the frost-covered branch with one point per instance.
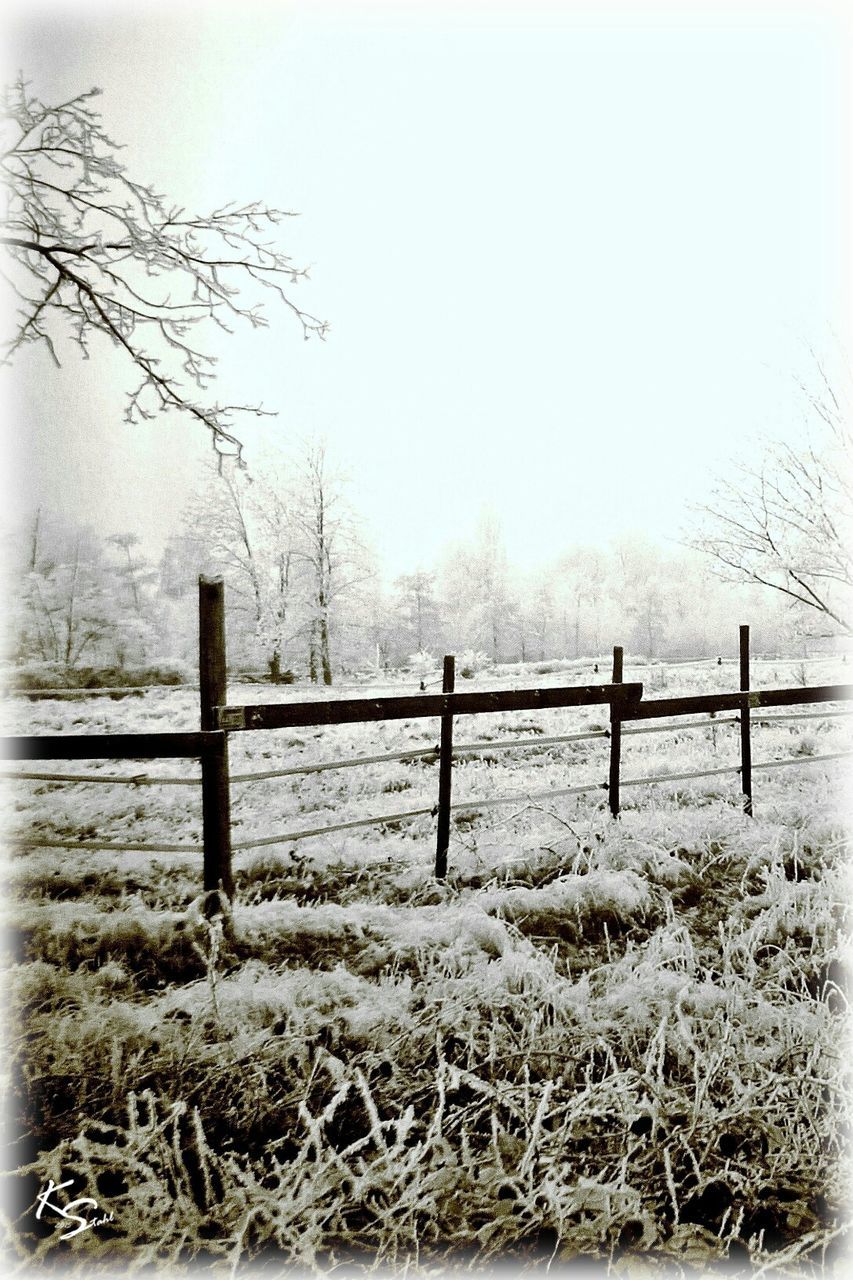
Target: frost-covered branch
{"x": 89, "y": 250}
{"x": 785, "y": 523}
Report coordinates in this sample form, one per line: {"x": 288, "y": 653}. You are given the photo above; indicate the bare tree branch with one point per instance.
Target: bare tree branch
{"x": 786, "y": 524}
{"x": 89, "y": 251}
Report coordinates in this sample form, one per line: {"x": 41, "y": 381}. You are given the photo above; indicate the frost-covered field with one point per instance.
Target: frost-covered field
{"x": 144, "y": 814}
{"x": 614, "y": 1041}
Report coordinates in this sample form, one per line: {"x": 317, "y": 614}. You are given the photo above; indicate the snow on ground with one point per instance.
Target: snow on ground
{"x": 594, "y": 1040}
{"x": 522, "y": 778}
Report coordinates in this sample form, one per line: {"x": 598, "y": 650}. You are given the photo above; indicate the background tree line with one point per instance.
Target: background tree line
{"x": 306, "y": 597}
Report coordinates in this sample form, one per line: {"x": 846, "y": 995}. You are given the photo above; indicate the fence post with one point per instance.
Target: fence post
{"x": 445, "y": 770}
{"x": 745, "y": 742}
{"x": 215, "y": 792}
{"x": 615, "y": 735}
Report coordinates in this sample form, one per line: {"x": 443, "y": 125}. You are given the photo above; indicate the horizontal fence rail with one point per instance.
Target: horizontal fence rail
{"x": 102, "y": 846}
{"x": 733, "y": 769}
{"x": 695, "y": 703}
{"x": 282, "y": 715}
{"x": 113, "y": 746}
{"x": 423, "y": 753}
{"x": 461, "y": 806}
{"x": 461, "y": 748}
{"x": 110, "y": 779}
{"x": 801, "y": 715}
{"x": 429, "y": 754}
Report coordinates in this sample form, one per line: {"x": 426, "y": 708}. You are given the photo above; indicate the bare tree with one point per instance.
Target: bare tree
{"x": 277, "y": 532}
{"x": 785, "y": 523}
{"x": 477, "y": 594}
{"x": 219, "y": 537}
{"x": 417, "y": 607}
{"x": 536, "y": 616}
{"x": 90, "y": 251}
{"x": 65, "y": 608}
{"x": 240, "y": 527}
{"x": 580, "y": 575}
{"x": 287, "y": 544}
{"x": 317, "y": 519}
{"x": 132, "y": 580}
{"x": 645, "y": 582}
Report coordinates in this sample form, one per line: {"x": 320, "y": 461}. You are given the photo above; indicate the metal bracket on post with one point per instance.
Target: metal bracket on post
{"x": 231, "y": 717}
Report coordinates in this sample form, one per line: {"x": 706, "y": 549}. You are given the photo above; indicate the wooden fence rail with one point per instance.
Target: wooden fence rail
{"x": 694, "y": 704}
{"x": 113, "y": 746}
{"x": 218, "y": 720}
{"x": 284, "y": 715}
{"x": 429, "y": 754}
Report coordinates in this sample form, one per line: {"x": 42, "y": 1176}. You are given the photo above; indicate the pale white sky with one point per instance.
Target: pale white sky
{"x": 570, "y": 254}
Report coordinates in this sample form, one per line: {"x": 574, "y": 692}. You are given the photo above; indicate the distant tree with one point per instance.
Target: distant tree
{"x": 241, "y": 528}
{"x": 417, "y": 608}
{"x": 480, "y": 595}
{"x": 454, "y": 593}
{"x": 133, "y": 581}
{"x": 90, "y": 251}
{"x": 131, "y": 568}
{"x": 478, "y": 600}
{"x": 645, "y": 581}
{"x": 497, "y": 604}
{"x": 328, "y": 547}
{"x": 579, "y": 578}
{"x": 534, "y": 617}
{"x": 785, "y": 521}
{"x": 277, "y": 537}
{"x": 379, "y": 638}
{"x": 66, "y": 612}
{"x": 288, "y": 546}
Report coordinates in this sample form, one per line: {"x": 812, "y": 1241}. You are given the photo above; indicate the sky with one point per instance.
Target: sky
{"x": 572, "y": 256}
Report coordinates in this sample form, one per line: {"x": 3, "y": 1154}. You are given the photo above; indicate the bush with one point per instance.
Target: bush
{"x": 470, "y": 662}
{"x": 252, "y": 675}
{"x": 53, "y": 675}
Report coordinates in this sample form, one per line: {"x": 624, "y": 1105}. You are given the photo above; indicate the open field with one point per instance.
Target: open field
{"x": 616, "y": 1042}
{"x": 171, "y": 815}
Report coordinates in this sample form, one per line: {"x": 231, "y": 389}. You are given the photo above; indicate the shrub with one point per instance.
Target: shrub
{"x": 471, "y": 662}
{"x": 52, "y": 675}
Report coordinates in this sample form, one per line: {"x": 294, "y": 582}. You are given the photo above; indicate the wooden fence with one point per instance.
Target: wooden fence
{"x": 219, "y": 720}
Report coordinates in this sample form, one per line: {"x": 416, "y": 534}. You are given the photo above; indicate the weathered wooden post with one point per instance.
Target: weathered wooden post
{"x": 615, "y": 735}
{"x": 745, "y": 742}
{"x": 215, "y": 791}
{"x": 445, "y": 773}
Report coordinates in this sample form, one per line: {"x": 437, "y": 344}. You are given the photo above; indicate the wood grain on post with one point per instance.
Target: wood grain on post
{"x": 445, "y": 773}
{"x": 745, "y": 741}
{"x": 615, "y": 736}
{"x": 215, "y": 789}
